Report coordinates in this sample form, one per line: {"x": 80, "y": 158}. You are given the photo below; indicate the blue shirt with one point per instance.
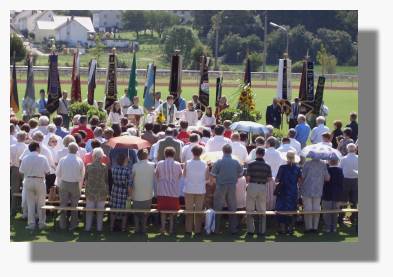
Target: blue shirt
{"x": 182, "y": 104}
{"x": 42, "y": 106}
{"x": 302, "y": 132}
{"x": 227, "y": 171}
{"x": 61, "y": 132}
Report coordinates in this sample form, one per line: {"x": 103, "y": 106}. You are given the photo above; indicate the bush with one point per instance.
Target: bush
{"x": 278, "y": 134}
{"x": 256, "y": 61}
{"x": 84, "y": 108}
{"x": 16, "y": 44}
{"x": 196, "y": 54}
{"x": 297, "y": 67}
{"x": 240, "y": 115}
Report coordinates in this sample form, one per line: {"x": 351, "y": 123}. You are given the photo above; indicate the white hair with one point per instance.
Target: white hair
{"x": 301, "y": 117}
{"x": 351, "y": 147}
{"x": 132, "y": 131}
{"x": 73, "y": 148}
{"x": 38, "y": 136}
{"x": 320, "y": 119}
{"x": 67, "y": 140}
{"x": 43, "y": 120}
{"x": 98, "y": 153}
{"x": 51, "y": 128}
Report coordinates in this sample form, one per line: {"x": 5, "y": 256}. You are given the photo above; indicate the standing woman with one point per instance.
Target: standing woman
{"x": 121, "y": 178}
{"x": 288, "y": 177}
{"x": 168, "y": 173}
{"x": 115, "y": 115}
{"x": 336, "y": 132}
{"x": 208, "y": 119}
{"x": 96, "y": 188}
{"x": 196, "y": 175}
{"x": 222, "y": 105}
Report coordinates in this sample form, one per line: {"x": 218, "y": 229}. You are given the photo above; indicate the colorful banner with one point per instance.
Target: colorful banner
{"x": 29, "y": 105}
{"x": 54, "y": 88}
{"x": 318, "y": 100}
{"x": 175, "y": 77}
{"x": 14, "y": 99}
{"x": 111, "y": 81}
{"x": 310, "y": 81}
{"x": 76, "y": 95}
{"x": 149, "y": 90}
{"x": 247, "y": 73}
{"x": 91, "y": 81}
{"x": 204, "y": 82}
{"x": 218, "y": 89}
{"x": 132, "y": 84}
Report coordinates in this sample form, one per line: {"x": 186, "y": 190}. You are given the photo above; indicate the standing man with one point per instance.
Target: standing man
{"x": 295, "y": 107}
{"x": 157, "y": 99}
{"x": 34, "y": 167}
{"x": 226, "y": 171}
{"x": 125, "y": 102}
{"x": 316, "y": 133}
{"x": 353, "y": 125}
{"x": 70, "y": 173}
{"x": 63, "y": 110}
{"x": 42, "y": 104}
{"x": 273, "y": 114}
{"x": 258, "y": 175}
{"x": 302, "y": 130}
{"x": 168, "y": 110}
{"x": 135, "y": 112}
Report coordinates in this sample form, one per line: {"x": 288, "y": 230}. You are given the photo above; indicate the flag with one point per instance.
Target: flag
{"x": 149, "y": 91}
{"x": 111, "y": 81}
{"x": 76, "y": 95}
{"x": 319, "y": 95}
{"x": 175, "y": 77}
{"x": 14, "y": 101}
{"x": 284, "y": 86}
{"x": 29, "y": 104}
{"x": 303, "y": 83}
{"x": 91, "y": 81}
{"x": 247, "y": 73}
{"x": 132, "y": 81}
{"x": 218, "y": 89}
{"x": 54, "y": 88}
{"x": 204, "y": 82}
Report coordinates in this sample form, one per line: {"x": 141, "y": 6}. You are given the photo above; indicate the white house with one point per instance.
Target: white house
{"x": 71, "y": 29}
{"x": 25, "y": 21}
{"x": 105, "y": 20}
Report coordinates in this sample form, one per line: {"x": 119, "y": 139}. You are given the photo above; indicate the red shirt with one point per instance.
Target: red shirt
{"x": 89, "y": 132}
{"x": 183, "y": 136}
{"x": 228, "y": 133}
{"x": 88, "y": 159}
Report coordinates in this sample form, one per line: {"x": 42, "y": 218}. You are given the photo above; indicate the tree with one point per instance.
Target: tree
{"x": 232, "y": 48}
{"x": 161, "y": 21}
{"x": 134, "y": 21}
{"x": 256, "y": 60}
{"x": 180, "y": 37}
{"x": 196, "y": 54}
{"x": 338, "y": 43}
{"x": 300, "y": 40}
{"x": 252, "y": 43}
{"x": 16, "y": 44}
{"x": 328, "y": 62}
{"x": 98, "y": 49}
{"x": 276, "y": 46}
{"x": 203, "y": 22}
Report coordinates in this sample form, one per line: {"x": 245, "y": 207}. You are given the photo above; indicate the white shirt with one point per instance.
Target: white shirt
{"x": 208, "y": 120}
{"x": 43, "y": 129}
{"x": 125, "y": 103}
{"x": 64, "y": 152}
{"x": 316, "y": 133}
{"x": 216, "y": 143}
{"x": 195, "y": 178}
{"x": 70, "y": 169}
{"x": 16, "y": 152}
{"x": 349, "y": 164}
{"x": 284, "y": 148}
{"x": 190, "y": 116}
{"x": 160, "y": 108}
{"x": 59, "y": 144}
{"x": 186, "y": 152}
{"x": 143, "y": 180}
{"x": 273, "y": 158}
{"x": 241, "y": 192}
{"x": 114, "y": 118}
{"x": 34, "y": 165}
{"x": 295, "y": 144}
{"x": 44, "y": 150}
{"x": 152, "y": 153}
{"x": 137, "y": 111}
{"x": 13, "y": 140}
{"x": 239, "y": 150}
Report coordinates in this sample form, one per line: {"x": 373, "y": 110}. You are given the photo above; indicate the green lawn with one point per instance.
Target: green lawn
{"x": 346, "y": 233}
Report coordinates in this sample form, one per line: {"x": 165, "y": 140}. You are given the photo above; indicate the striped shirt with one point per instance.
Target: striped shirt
{"x": 169, "y": 172}
{"x": 259, "y": 171}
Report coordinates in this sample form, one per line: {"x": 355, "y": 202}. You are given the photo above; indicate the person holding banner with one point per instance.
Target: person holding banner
{"x": 42, "y": 104}
{"x": 135, "y": 112}
{"x": 125, "y": 102}
{"x": 295, "y": 108}
{"x": 63, "y": 109}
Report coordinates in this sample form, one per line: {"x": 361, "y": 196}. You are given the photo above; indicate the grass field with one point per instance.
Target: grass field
{"x": 346, "y": 233}
{"x": 340, "y": 103}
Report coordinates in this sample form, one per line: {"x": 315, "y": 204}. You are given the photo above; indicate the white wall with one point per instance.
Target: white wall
{"x": 72, "y": 33}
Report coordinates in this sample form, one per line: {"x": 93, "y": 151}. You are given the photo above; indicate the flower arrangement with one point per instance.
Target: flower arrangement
{"x": 246, "y": 98}
{"x": 84, "y": 108}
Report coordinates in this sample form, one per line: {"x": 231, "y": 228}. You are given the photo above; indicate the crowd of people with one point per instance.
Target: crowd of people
{"x": 195, "y": 161}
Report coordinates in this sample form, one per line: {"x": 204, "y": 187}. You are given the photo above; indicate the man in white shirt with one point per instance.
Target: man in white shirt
{"x": 168, "y": 110}
{"x": 238, "y": 148}
{"x": 63, "y": 152}
{"x": 157, "y": 99}
{"x": 293, "y": 142}
{"x": 186, "y": 152}
{"x": 34, "y": 167}
{"x": 218, "y": 141}
{"x": 135, "y": 112}
{"x": 12, "y": 134}
{"x": 349, "y": 165}
{"x": 125, "y": 102}
{"x": 259, "y": 142}
{"x": 70, "y": 171}
{"x": 43, "y": 123}
{"x": 63, "y": 110}
{"x": 154, "y": 147}
{"x": 316, "y": 133}
{"x": 52, "y": 132}
{"x": 16, "y": 152}
{"x": 285, "y": 146}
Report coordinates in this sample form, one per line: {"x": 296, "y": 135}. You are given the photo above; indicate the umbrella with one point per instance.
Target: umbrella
{"x": 215, "y": 155}
{"x": 249, "y": 127}
{"x": 130, "y": 142}
{"x": 320, "y": 151}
